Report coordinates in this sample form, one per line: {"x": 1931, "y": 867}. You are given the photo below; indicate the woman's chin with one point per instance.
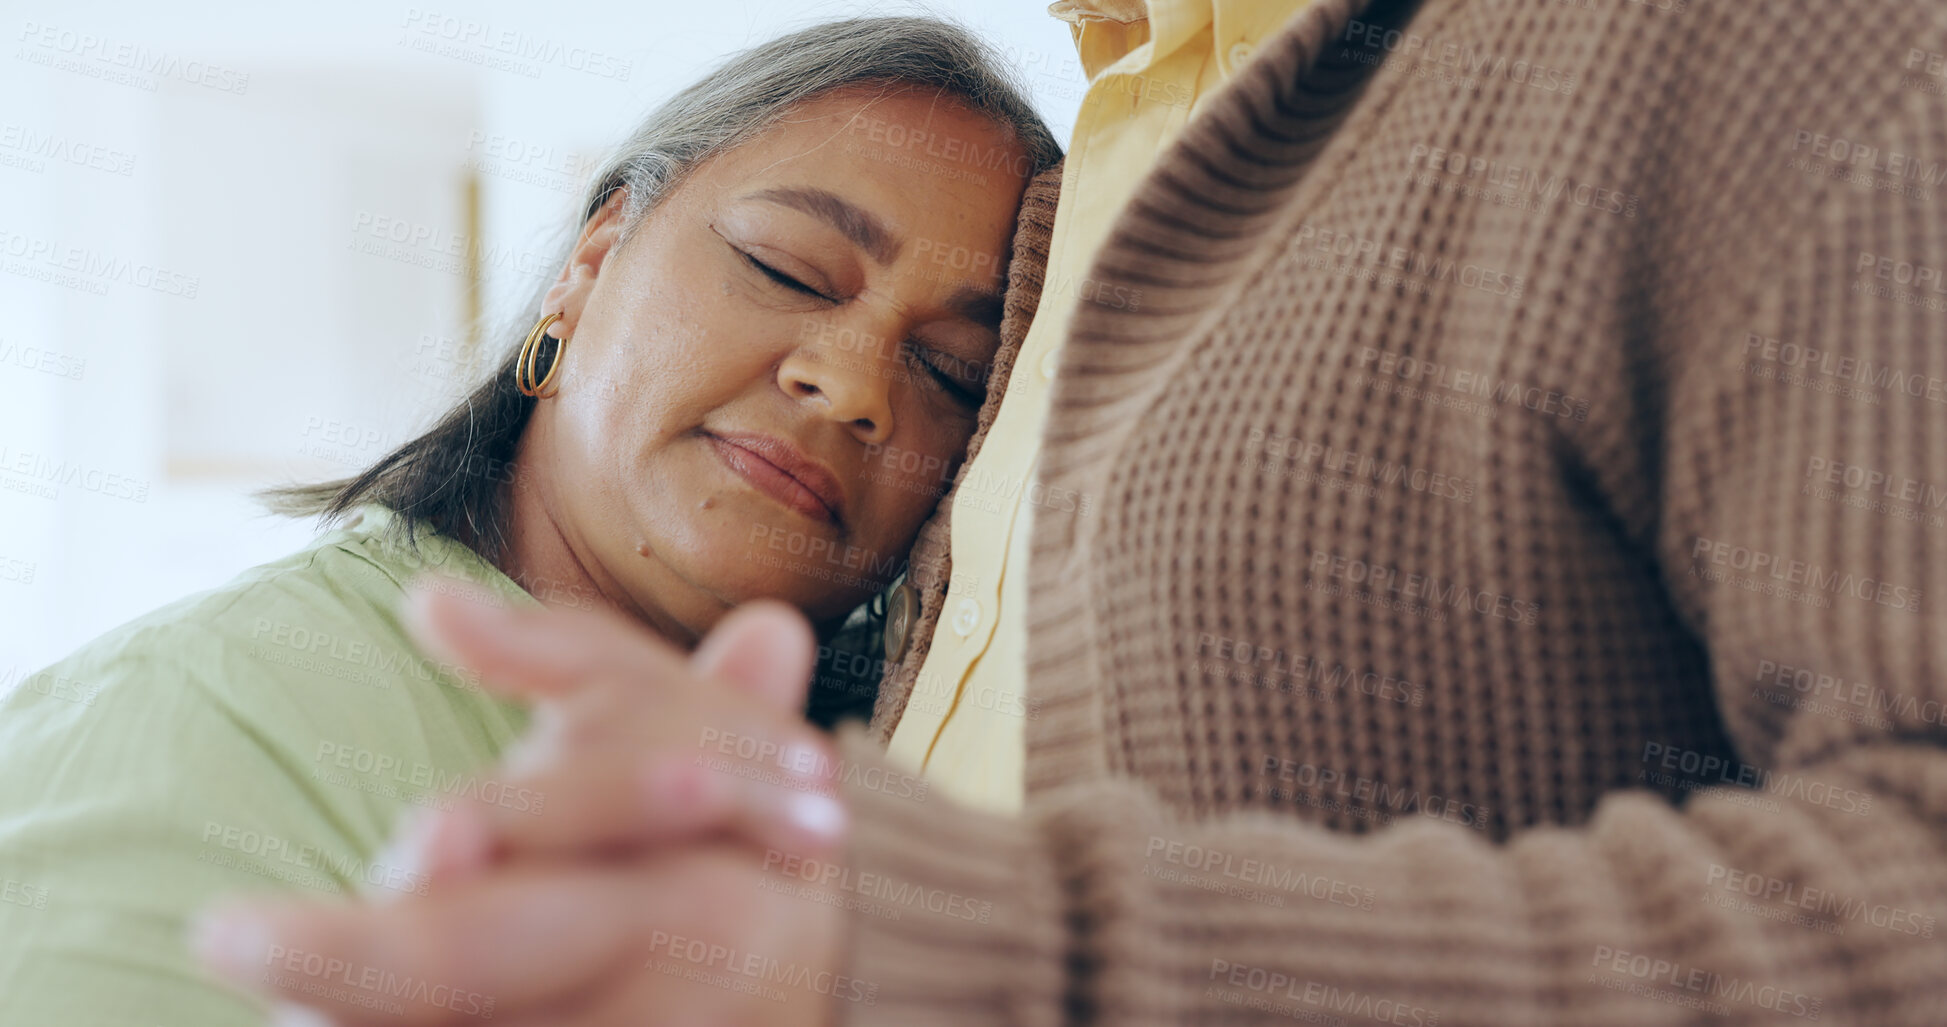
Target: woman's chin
{"x": 754, "y": 549}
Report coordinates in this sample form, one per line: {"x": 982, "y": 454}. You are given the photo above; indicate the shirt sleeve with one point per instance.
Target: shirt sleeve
{"x": 148, "y": 775}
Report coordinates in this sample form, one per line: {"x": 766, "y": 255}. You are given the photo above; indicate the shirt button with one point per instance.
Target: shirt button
{"x": 1238, "y": 55}
{"x": 966, "y": 617}
{"x": 901, "y": 607}
{"x": 1049, "y": 363}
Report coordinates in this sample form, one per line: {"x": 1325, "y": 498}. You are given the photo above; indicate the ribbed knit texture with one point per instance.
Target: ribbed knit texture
{"x": 1528, "y": 770}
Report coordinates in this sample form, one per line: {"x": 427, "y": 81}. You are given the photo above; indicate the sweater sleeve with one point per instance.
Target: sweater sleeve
{"x": 1796, "y": 519}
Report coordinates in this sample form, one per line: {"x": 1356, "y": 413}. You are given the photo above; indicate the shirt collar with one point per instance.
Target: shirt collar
{"x": 1133, "y": 34}
{"x": 436, "y": 552}
{"x": 1077, "y": 11}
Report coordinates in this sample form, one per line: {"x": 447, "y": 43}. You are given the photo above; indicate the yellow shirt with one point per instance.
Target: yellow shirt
{"x": 964, "y": 727}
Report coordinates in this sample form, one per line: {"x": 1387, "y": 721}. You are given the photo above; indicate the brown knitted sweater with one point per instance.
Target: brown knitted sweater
{"x": 1510, "y": 589}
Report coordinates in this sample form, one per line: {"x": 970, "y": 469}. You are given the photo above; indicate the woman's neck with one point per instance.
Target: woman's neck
{"x": 545, "y": 559}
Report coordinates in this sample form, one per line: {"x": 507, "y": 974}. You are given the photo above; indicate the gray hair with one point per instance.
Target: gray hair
{"x": 755, "y": 88}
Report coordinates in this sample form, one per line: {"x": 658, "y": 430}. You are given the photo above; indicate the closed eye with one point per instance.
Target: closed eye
{"x": 781, "y": 278}
{"x": 953, "y": 386}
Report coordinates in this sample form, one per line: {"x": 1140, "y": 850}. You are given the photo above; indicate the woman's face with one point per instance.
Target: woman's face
{"x": 768, "y": 383}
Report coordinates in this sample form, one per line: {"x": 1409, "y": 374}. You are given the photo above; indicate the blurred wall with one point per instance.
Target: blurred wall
{"x": 234, "y": 247}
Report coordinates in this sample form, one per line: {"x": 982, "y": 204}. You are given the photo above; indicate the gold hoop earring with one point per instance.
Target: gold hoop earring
{"x": 530, "y": 353}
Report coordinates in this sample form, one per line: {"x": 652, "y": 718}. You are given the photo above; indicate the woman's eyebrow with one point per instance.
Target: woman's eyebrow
{"x": 855, "y": 223}
{"x": 981, "y": 306}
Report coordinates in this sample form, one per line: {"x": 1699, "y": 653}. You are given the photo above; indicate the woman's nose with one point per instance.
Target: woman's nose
{"x": 850, "y": 388}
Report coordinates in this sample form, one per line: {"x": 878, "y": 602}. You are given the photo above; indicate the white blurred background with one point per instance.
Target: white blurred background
{"x": 234, "y": 239}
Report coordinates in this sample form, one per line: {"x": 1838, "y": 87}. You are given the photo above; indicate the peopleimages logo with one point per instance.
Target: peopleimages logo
{"x": 1353, "y": 792}
{"x": 1833, "y": 908}
{"x": 1703, "y": 770}
{"x": 1208, "y": 859}
{"x": 384, "y": 663}
{"x": 430, "y": 30}
{"x": 45, "y": 361}
{"x": 29, "y": 145}
{"x": 1272, "y": 665}
{"x": 313, "y": 973}
{"x": 122, "y": 62}
{"x": 20, "y": 893}
{"x": 38, "y": 468}
{"x": 879, "y": 887}
{"x": 1461, "y": 59}
{"x": 800, "y": 767}
{"x": 1359, "y": 253}
{"x": 755, "y": 968}
{"x": 1704, "y": 983}
{"x": 376, "y": 768}
{"x": 1801, "y": 688}
{"x": 946, "y": 148}
{"x": 1916, "y": 285}
{"x": 1434, "y": 374}
{"x": 1379, "y": 578}
{"x": 87, "y": 269}
{"x": 1829, "y": 364}
{"x": 440, "y": 249}
{"x": 274, "y": 851}
{"x": 1275, "y": 991}
{"x": 1866, "y": 156}
{"x": 1787, "y": 571}
{"x": 1545, "y": 187}
{"x": 1362, "y": 467}
{"x": 1853, "y": 476}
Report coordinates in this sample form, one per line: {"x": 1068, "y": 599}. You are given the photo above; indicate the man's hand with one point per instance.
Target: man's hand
{"x": 647, "y": 887}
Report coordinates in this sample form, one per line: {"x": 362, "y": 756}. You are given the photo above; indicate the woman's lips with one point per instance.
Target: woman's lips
{"x": 782, "y": 472}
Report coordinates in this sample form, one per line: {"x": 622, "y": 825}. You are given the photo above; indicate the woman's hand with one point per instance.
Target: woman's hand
{"x": 702, "y": 934}
{"x": 647, "y": 884}
{"x": 633, "y": 744}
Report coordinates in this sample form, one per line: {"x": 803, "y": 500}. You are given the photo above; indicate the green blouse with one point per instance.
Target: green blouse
{"x": 266, "y": 735}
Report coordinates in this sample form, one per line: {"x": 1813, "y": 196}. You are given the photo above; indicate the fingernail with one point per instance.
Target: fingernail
{"x": 232, "y": 940}
{"x": 540, "y": 745}
{"x": 819, "y": 816}
{"x": 405, "y": 854}
{"x": 290, "y": 1014}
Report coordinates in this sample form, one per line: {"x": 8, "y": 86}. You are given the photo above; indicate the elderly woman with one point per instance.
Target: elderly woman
{"x": 1644, "y": 729}
{"x": 766, "y": 348}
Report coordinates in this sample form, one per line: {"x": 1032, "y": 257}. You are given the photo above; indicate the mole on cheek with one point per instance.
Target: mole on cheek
{"x": 642, "y": 549}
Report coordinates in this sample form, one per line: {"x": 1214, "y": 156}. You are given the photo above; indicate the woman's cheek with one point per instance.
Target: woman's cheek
{"x": 913, "y": 481}
{"x": 916, "y": 465}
